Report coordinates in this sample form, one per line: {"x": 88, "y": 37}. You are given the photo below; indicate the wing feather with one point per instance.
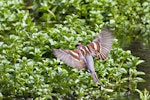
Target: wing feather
{"x": 102, "y": 44}
{"x": 70, "y": 57}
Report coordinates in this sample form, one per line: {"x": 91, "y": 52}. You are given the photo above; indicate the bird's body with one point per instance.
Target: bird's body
{"x": 82, "y": 56}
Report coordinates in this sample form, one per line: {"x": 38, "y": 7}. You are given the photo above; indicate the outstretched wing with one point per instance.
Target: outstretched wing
{"x": 70, "y": 57}
{"x": 102, "y": 44}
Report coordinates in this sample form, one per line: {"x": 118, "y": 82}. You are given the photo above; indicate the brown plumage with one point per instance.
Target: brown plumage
{"x": 81, "y": 57}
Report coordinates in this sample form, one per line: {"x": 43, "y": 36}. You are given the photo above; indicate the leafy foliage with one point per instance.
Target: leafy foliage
{"x": 130, "y": 18}
{"x": 29, "y": 69}
{"x": 144, "y": 95}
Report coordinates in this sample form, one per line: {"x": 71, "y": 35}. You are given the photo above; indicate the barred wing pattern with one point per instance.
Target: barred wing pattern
{"x": 81, "y": 58}
{"x": 102, "y": 45}
{"x": 70, "y": 57}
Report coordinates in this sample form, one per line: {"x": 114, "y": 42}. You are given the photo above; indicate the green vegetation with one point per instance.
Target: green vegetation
{"x": 29, "y": 31}
{"x": 144, "y": 95}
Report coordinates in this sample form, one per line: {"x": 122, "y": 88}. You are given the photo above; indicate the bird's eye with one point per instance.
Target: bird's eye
{"x": 78, "y": 44}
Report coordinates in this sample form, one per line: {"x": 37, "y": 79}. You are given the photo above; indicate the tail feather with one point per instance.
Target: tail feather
{"x": 95, "y": 78}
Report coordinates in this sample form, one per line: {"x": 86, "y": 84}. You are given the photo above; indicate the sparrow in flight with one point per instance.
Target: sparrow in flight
{"x": 82, "y": 56}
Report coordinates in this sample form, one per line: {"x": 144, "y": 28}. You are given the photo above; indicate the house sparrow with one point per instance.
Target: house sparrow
{"x": 82, "y": 56}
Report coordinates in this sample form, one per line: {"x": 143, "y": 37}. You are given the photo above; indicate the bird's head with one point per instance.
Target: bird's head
{"x": 78, "y": 45}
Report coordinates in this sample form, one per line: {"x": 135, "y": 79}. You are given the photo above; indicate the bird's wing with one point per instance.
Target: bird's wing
{"x": 70, "y": 57}
{"x": 100, "y": 47}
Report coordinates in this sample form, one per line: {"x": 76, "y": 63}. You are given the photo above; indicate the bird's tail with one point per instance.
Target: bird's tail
{"x": 95, "y": 78}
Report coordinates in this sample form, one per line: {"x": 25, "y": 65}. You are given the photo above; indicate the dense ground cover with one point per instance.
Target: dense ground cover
{"x": 29, "y": 31}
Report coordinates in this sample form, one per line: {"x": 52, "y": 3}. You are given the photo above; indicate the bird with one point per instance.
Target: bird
{"x": 82, "y": 57}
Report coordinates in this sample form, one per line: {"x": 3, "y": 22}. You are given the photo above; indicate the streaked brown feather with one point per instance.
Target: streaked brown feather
{"x": 69, "y": 57}
{"x": 104, "y": 44}
{"x": 81, "y": 57}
